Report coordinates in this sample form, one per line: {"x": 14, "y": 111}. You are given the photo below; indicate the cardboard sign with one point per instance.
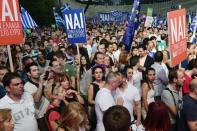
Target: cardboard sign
{"x": 177, "y": 36}
{"x": 75, "y": 25}
{"x": 149, "y": 11}
{"x": 149, "y": 21}
{"x": 10, "y": 23}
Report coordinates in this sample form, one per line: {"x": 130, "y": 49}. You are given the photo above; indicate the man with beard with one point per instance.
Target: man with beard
{"x": 30, "y": 52}
{"x": 35, "y": 87}
{"x": 171, "y": 95}
{"x": 129, "y": 97}
{"x": 42, "y": 63}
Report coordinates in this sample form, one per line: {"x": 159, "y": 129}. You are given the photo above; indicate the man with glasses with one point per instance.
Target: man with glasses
{"x": 20, "y": 102}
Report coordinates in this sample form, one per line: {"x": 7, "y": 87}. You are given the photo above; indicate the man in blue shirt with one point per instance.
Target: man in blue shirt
{"x": 188, "y": 116}
{"x": 3, "y": 71}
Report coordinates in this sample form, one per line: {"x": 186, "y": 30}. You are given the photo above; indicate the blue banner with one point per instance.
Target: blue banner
{"x": 75, "y": 25}
{"x": 58, "y": 19}
{"x": 112, "y": 17}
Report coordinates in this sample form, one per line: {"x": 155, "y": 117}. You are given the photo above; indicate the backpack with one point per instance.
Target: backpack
{"x": 179, "y": 107}
{"x": 56, "y": 109}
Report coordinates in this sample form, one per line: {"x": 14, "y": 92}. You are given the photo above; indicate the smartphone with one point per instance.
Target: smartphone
{"x": 46, "y": 75}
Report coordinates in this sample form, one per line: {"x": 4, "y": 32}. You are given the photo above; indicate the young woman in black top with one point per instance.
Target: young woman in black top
{"x": 98, "y": 73}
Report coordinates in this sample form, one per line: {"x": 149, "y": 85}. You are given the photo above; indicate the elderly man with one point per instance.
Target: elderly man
{"x": 104, "y": 98}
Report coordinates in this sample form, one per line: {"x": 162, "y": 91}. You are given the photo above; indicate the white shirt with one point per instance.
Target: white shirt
{"x": 142, "y": 60}
{"x": 103, "y": 101}
{"x": 111, "y": 55}
{"x": 117, "y": 54}
{"x": 165, "y": 68}
{"x": 129, "y": 95}
{"x": 137, "y": 77}
{"x": 23, "y": 112}
{"x": 89, "y": 49}
{"x": 42, "y": 106}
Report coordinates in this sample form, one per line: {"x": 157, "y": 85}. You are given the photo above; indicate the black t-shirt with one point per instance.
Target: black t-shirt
{"x": 188, "y": 113}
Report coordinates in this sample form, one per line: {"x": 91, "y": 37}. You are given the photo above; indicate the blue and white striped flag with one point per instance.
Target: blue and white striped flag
{"x": 58, "y": 19}
{"x": 65, "y": 7}
{"x": 116, "y": 13}
{"x": 27, "y": 20}
{"x": 193, "y": 25}
{"x": 155, "y": 21}
{"x": 190, "y": 19}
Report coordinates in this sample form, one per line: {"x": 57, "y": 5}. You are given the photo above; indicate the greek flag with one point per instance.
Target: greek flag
{"x": 65, "y": 7}
{"x": 116, "y": 13}
{"x": 27, "y": 20}
{"x": 193, "y": 27}
{"x": 190, "y": 19}
{"x": 58, "y": 19}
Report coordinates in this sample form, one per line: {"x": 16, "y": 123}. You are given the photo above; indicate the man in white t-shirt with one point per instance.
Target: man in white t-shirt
{"x": 35, "y": 87}
{"x": 129, "y": 95}
{"x": 20, "y": 103}
{"x": 104, "y": 98}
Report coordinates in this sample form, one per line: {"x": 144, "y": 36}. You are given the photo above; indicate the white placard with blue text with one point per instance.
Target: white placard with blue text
{"x": 75, "y": 25}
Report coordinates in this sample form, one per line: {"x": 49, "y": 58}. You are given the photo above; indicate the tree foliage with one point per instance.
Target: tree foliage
{"x": 40, "y": 10}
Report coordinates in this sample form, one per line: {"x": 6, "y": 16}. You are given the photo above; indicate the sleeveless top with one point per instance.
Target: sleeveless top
{"x": 150, "y": 96}
{"x": 95, "y": 90}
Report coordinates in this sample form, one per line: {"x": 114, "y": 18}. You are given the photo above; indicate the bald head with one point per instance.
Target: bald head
{"x": 193, "y": 85}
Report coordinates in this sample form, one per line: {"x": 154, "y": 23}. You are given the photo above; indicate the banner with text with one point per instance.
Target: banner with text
{"x": 10, "y": 23}
{"x": 113, "y": 16}
{"x": 150, "y": 12}
{"x": 177, "y": 36}
{"x": 149, "y": 21}
{"x": 75, "y": 25}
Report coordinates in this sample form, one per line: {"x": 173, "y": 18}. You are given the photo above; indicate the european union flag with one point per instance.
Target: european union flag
{"x": 58, "y": 19}
{"x": 132, "y": 25}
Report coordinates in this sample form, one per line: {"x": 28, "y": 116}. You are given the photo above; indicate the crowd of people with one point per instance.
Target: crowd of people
{"x": 98, "y": 85}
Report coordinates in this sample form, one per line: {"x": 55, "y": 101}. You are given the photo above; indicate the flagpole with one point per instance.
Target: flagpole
{"x": 78, "y": 70}
{"x": 10, "y": 58}
{"x": 60, "y": 3}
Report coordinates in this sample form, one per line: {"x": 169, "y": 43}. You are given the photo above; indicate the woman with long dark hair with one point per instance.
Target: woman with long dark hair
{"x": 70, "y": 93}
{"x": 148, "y": 92}
{"x": 98, "y": 73}
{"x": 157, "y": 117}
{"x": 84, "y": 67}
